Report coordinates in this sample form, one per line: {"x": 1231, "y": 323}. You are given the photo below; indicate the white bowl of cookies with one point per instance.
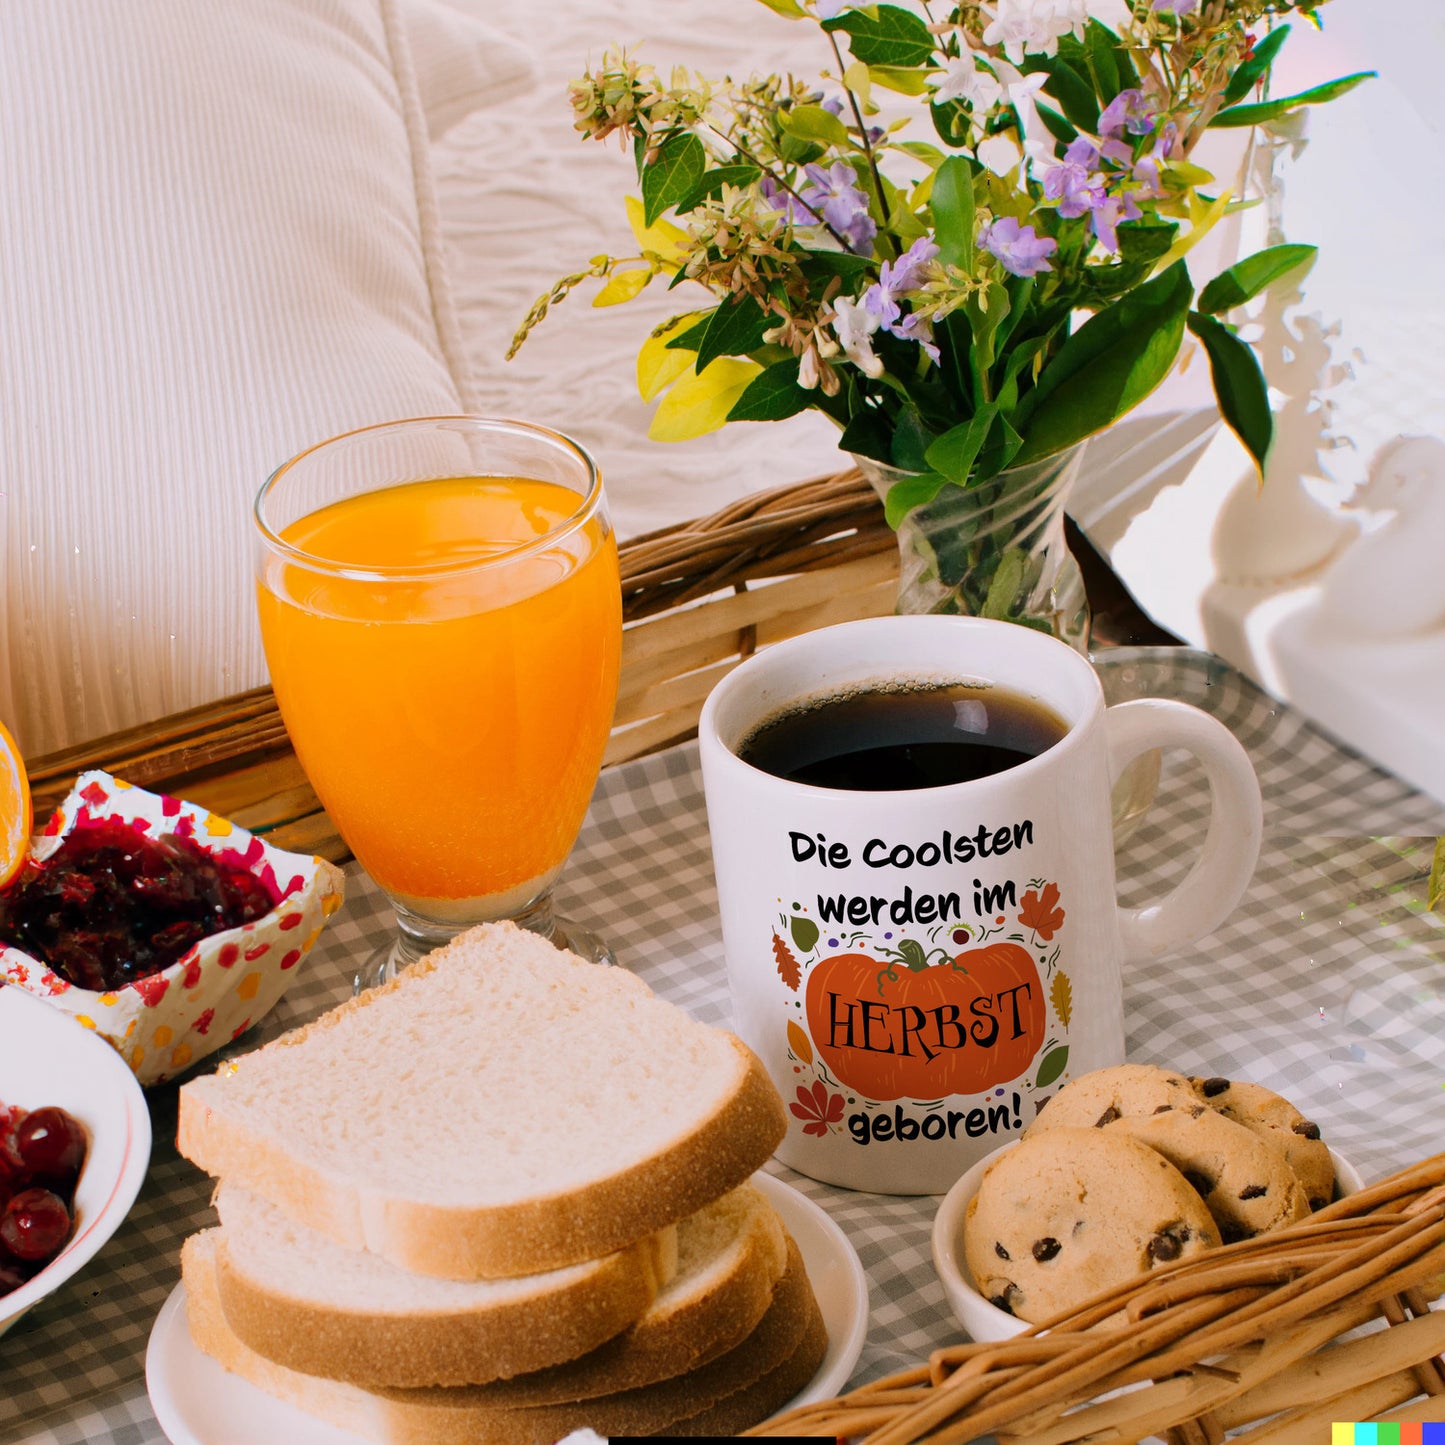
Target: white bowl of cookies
{"x": 1126, "y": 1169}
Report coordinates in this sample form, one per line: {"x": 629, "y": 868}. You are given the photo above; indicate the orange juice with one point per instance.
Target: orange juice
{"x": 450, "y": 697}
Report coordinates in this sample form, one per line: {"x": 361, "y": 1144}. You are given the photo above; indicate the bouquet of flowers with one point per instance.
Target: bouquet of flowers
{"x": 966, "y": 244}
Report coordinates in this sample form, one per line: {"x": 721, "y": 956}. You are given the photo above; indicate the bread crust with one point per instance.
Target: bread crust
{"x": 445, "y": 1347}
{"x": 741, "y": 1387}
{"x": 496, "y": 1240}
{"x": 707, "y": 1325}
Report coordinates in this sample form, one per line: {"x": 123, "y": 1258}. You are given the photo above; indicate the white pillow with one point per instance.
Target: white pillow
{"x": 218, "y": 245}
{"x": 460, "y": 64}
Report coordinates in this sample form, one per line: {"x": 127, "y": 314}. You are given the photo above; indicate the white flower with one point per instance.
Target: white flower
{"x": 999, "y": 154}
{"x": 1033, "y": 26}
{"x": 854, "y": 325}
{"x": 966, "y": 79}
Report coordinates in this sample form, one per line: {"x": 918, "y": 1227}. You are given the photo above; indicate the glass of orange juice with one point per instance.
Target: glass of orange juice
{"x": 442, "y": 617}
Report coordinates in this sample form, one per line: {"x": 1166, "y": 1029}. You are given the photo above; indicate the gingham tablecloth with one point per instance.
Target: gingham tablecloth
{"x": 1327, "y": 984}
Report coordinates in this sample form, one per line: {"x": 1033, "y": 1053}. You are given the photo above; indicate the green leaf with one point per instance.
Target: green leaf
{"x": 954, "y": 452}
{"x": 1099, "y": 52}
{"x": 734, "y": 329}
{"x": 773, "y": 395}
{"x": 951, "y": 202}
{"x": 1435, "y": 894}
{"x": 1238, "y": 115}
{"x": 1068, "y": 86}
{"x": 922, "y": 150}
{"x": 915, "y": 490}
{"x": 885, "y": 35}
{"x": 868, "y": 434}
{"x": 691, "y": 339}
{"x": 804, "y": 931}
{"x": 952, "y": 122}
{"x": 1005, "y": 585}
{"x": 813, "y": 123}
{"x": 672, "y": 174}
{"x": 1109, "y": 365}
{"x": 1056, "y": 125}
{"x": 1052, "y": 1065}
{"x": 1239, "y": 385}
{"x": 1252, "y": 71}
{"x": 1247, "y": 278}
{"x": 710, "y": 183}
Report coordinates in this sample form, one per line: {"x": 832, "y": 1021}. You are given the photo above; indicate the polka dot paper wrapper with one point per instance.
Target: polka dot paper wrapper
{"x": 163, "y": 1024}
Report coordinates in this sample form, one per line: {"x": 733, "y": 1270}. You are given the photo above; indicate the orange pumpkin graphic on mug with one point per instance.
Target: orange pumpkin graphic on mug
{"x": 905, "y": 1026}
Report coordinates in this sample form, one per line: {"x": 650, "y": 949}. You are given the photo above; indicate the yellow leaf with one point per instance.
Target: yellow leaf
{"x": 662, "y": 238}
{"x": 657, "y": 365}
{"x": 1202, "y": 217}
{"x": 623, "y": 286}
{"x": 858, "y": 80}
{"x": 696, "y": 405}
{"x": 798, "y": 1041}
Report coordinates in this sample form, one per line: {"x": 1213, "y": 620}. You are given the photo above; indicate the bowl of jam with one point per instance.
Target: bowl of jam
{"x": 164, "y": 928}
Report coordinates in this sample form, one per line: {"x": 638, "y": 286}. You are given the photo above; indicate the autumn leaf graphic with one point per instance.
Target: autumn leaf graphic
{"x": 1061, "y": 995}
{"x": 1040, "y": 911}
{"x": 788, "y": 969}
{"x": 799, "y": 1043}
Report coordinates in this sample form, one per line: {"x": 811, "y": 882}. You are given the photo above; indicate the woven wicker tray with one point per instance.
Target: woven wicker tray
{"x": 1281, "y": 1336}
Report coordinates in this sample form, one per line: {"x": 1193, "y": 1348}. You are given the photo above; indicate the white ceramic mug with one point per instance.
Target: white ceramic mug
{"x": 919, "y": 970}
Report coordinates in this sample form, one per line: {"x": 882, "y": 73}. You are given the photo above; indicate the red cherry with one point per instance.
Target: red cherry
{"x": 34, "y": 1225}
{"x": 12, "y": 1276}
{"x": 51, "y": 1145}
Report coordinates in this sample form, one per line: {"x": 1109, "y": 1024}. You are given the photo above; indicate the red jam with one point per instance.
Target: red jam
{"x": 41, "y": 1154}
{"x": 112, "y": 905}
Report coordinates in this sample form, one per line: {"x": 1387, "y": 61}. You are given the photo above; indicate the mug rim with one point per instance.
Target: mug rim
{"x": 777, "y": 654}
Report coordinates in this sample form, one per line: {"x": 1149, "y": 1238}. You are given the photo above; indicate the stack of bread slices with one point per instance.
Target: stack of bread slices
{"x": 501, "y": 1198}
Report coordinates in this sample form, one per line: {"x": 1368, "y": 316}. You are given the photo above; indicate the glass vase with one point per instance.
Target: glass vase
{"x": 994, "y": 548}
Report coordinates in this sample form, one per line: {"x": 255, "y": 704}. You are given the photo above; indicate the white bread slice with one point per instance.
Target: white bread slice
{"x": 737, "y": 1389}
{"x": 730, "y": 1256}
{"x": 500, "y": 1108}
{"x": 312, "y": 1305}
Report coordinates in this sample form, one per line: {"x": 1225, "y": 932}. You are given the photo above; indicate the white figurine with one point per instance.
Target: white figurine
{"x": 1390, "y": 582}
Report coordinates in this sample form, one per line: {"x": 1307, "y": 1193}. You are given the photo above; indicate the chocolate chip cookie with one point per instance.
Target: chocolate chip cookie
{"x": 1123, "y": 1091}
{"x": 1068, "y": 1212}
{"x": 1245, "y": 1183}
{"x": 1278, "y": 1122}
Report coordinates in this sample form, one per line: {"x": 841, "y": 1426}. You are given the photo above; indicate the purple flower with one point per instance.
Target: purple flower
{"x": 1131, "y": 111}
{"x": 910, "y": 270}
{"x": 1082, "y": 152}
{"x": 779, "y": 198}
{"x": 917, "y": 328}
{"x": 1074, "y": 187}
{"x": 1020, "y": 249}
{"x": 1176, "y": 7}
{"x": 1108, "y": 216}
{"x": 834, "y": 194}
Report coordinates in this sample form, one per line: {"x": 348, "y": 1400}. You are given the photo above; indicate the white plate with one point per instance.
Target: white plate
{"x": 199, "y": 1403}
{"x": 48, "y": 1058}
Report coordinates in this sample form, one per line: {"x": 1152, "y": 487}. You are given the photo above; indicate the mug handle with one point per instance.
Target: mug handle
{"x": 1221, "y": 873}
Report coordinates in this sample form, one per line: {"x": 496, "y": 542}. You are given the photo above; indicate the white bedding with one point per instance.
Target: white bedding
{"x": 525, "y": 200}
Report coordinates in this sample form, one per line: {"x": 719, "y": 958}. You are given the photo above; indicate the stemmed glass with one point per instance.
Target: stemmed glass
{"x": 441, "y": 613}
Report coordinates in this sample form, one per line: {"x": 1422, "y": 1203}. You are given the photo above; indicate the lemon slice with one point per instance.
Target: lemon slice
{"x": 15, "y": 813}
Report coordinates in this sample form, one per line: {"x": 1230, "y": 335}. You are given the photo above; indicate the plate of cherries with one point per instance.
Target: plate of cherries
{"x": 75, "y": 1141}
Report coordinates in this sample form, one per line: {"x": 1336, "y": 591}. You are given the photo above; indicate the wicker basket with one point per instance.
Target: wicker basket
{"x": 697, "y": 599}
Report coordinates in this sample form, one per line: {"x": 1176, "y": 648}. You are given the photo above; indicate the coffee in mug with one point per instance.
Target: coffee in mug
{"x": 912, "y": 837}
